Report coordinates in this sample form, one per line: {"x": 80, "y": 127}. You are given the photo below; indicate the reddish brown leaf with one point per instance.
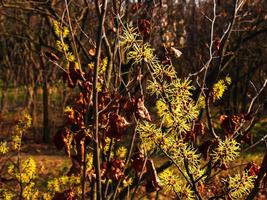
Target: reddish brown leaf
{"x": 201, "y": 187}
{"x": 65, "y": 195}
{"x": 62, "y": 139}
{"x": 81, "y": 103}
{"x": 128, "y": 106}
{"x": 138, "y": 160}
{"x": 136, "y": 7}
{"x": 116, "y": 126}
{"x": 230, "y": 123}
{"x": 224, "y": 166}
{"x": 153, "y": 182}
{"x": 247, "y": 138}
{"x": 252, "y": 169}
{"x": 76, "y": 166}
{"x": 70, "y": 116}
{"x": 74, "y": 74}
{"x": 204, "y": 148}
{"x": 115, "y": 169}
{"x": 92, "y": 52}
{"x": 141, "y": 111}
{"x": 86, "y": 88}
{"x": 144, "y": 27}
{"x": 217, "y": 43}
{"x": 79, "y": 119}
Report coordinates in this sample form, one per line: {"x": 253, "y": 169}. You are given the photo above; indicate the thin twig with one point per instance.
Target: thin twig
{"x": 95, "y": 98}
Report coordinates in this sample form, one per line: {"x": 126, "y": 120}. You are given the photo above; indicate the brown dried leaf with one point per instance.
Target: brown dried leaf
{"x": 115, "y": 169}
{"x": 74, "y": 74}
{"x": 141, "y": 111}
{"x": 138, "y": 160}
{"x": 135, "y": 7}
{"x": 204, "y": 148}
{"x": 230, "y": 123}
{"x": 63, "y": 139}
{"x": 144, "y": 27}
{"x": 153, "y": 182}
{"x": 116, "y": 126}
{"x": 92, "y": 52}
{"x": 76, "y": 166}
{"x": 65, "y": 195}
{"x": 252, "y": 168}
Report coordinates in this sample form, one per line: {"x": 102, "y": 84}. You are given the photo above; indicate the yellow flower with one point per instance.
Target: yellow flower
{"x": 240, "y": 184}
{"x": 3, "y": 148}
{"x": 121, "y": 152}
{"x": 226, "y": 151}
{"x": 220, "y": 87}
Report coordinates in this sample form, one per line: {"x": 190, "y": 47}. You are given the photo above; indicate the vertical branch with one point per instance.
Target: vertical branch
{"x": 209, "y": 120}
{"x": 19, "y": 171}
{"x": 72, "y": 34}
{"x": 256, "y": 96}
{"x": 95, "y": 96}
{"x": 46, "y": 134}
{"x": 186, "y": 164}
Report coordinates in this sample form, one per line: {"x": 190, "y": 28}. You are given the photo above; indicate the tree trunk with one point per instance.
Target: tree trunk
{"x": 3, "y": 100}
{"x": 46, "y": 131}
{"x": 33, "y": 110}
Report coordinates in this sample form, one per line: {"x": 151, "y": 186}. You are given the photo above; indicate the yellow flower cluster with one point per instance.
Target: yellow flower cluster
{"x": 3, "y": 148}
{"x": 141, "y": 53}
{"x": 121, "y": 152}
{"x": 30, "y": 192}
{"x": 173, "y": 183}
{"x": 127, "y": 182}
{"x": 22, "y": 126}
{"x": 101, "y": 72}
{"x": 23, "y": 171}
{"x": 149, "y": 135}
{"x": 103, "y": 67}
{"x": 177, "y": 109}
{"x": 26, "y": 172}
{"x": 225, "y": 152}
{"x": 62, "y": 32}
{"x": 240, "y": 184}
{"x": 129, "y": 37}
{"x": 6, "y": 194}
{"x": 60, "y": 184}
{"x": 89, "y": 160}
{"x": 220, "y": 87}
